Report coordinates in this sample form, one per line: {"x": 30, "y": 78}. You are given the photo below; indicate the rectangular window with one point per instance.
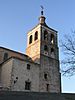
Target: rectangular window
{"x": 45, "y": 75}
{"x": 28, "y": 66}
{"x": 27, "y": 85}
{"x": 47, "y": 87}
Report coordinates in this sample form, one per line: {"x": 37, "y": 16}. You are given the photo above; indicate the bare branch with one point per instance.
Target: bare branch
{"x": 68, "y": 46}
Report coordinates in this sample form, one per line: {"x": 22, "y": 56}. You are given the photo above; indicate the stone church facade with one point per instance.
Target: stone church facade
{"x": 38, "y": 69}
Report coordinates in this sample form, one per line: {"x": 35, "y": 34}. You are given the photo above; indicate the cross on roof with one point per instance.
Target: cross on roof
{"x": 42, "y": 9}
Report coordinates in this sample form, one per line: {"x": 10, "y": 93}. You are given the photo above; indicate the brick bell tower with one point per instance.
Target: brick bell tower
{"x": 42, "y": 47}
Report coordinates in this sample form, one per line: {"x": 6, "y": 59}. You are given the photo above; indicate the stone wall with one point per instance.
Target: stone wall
{"x": 33, "y": 49}
{"x": 6, "y": 70}
{"x": 49, "y": 66}
{"x": 14, "y": 73}
{"x": 20, "y": 70}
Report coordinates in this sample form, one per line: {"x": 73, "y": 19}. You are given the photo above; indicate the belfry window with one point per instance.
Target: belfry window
{"x": 36, "y": 35}
{"x": 52, "y": 38}
{"x": 5, "y": 56}
{"x": 45, "y": 48}
{"x": 45, "y": 35}
{"x": 30, "y": 39}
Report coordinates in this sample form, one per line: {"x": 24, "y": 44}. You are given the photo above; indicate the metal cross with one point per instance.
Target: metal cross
{"x": 42, "y": 9}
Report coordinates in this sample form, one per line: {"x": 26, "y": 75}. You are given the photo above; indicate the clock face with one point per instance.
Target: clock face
{"x": 46, "y": 53}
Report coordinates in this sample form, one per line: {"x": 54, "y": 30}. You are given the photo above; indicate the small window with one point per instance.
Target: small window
{"x": 52, "y": 38}
{"x": 27, "y": 85}
{"x": 5, "y": 56}
{"x": 16, "y": 78}
{"x": 52, "y": 53}
{"x": 52, "y": 50}
{"x": 45, "y": 35}
{"x": 47, "y": 87}
{"x": 14, "y": 81}
{"x": 28, "y": 66}
{"x": 45, "y": 76}
{"x": 36, "y": 35}
{"x": 45, "y": 48}
{"x": 30, "y": 39}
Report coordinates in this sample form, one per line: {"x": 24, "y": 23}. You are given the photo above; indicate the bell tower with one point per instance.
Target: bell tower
{"x": 42, "y": 40}
{"x": 34, "y": 39}
{"x": 42, "y": 47}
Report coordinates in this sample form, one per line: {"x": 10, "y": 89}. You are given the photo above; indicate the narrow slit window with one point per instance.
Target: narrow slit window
{"x": 47, "y": 87}
{"x": 45, "y": 76}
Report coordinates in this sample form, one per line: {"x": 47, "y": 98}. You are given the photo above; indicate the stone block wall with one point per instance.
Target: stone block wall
{"x": 31, "y": 75}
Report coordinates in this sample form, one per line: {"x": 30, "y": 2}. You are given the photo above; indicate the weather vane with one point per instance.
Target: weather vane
{"x": 42, "y": 9}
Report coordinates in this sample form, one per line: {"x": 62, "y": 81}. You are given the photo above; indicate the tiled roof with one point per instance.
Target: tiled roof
{"x": 12, "y": 51}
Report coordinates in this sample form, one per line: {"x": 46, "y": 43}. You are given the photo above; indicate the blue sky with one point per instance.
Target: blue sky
{"x": 19, "y": 16}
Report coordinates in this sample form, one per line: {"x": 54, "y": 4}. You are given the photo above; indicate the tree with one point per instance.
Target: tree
{"x": 68, "y": 47}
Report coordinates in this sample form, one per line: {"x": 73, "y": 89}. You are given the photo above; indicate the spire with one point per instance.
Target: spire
{"x": 42, "y": 18}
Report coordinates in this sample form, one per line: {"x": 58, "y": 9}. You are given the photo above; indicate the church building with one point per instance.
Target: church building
{"x": 38, "y": 69}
